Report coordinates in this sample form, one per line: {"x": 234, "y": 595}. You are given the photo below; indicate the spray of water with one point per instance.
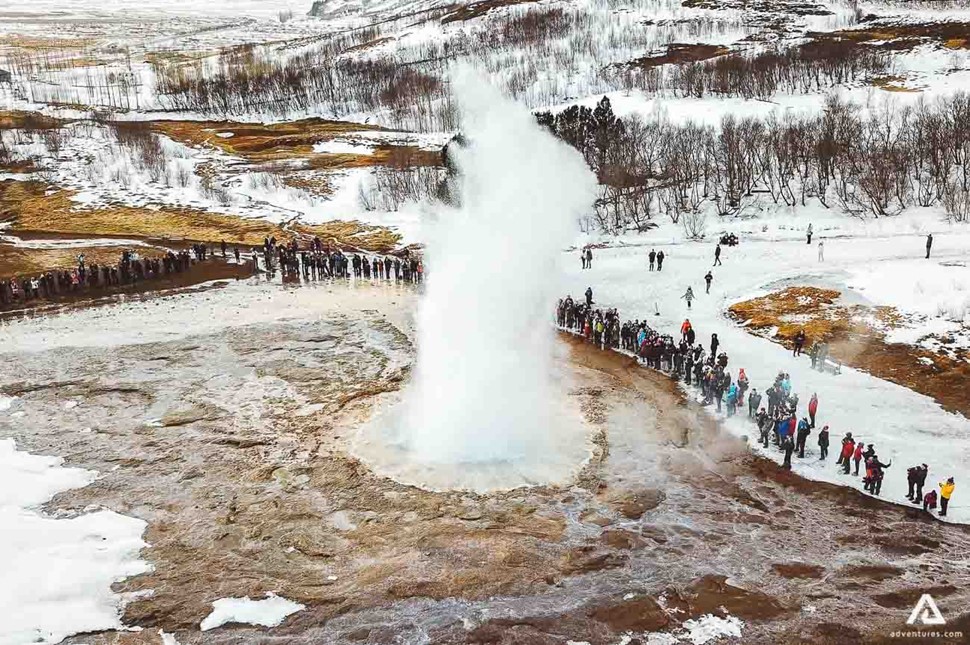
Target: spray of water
{"x": 482, "y": 396}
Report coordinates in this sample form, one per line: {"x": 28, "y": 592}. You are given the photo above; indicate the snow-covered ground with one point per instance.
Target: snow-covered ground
{"x": 906, "y": 427}
{"x": 268, "y": 612}
{"x": 58, "y": 569}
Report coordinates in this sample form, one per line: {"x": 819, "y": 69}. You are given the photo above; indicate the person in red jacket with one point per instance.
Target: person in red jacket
{"x": 857, "y": 457}
{"x": 684, "y": 328}
{"x": 812, "y": 409}
{"x": 848, "y": 447}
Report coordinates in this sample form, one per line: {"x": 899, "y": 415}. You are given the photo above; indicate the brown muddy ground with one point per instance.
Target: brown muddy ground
{"x": 233, "y": 447}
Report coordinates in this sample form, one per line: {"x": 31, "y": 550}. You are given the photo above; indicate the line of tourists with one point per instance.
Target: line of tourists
{"x": 686, "y": 359}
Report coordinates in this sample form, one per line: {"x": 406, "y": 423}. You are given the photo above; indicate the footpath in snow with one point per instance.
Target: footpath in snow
{"x": 906, "y": 427}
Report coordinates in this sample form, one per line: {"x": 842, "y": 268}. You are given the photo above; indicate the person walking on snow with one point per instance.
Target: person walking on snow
{"x": 708, "y": 279}
{"x": 589, "y": 296}
{"x": 821, "y": 251}
{"x": 812, "y": 409}
{"x": 660, "y": 261}
{"x": 582, "y": 257}
{"x": 688, "y": 296}
{"x": 799, "y": 342}
{"x": 929, "y": 245}
{"x": 684, "y": 328}
{"x": 717, "y": 254}
{"x": 809, "y": 234}
{"x": 946, "y": 492}
{"x": 823, "y": 443}
{"x": 653, "y": 258}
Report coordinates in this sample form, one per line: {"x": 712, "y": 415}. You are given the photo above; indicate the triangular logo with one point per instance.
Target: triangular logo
{"x": 926, "y": 612}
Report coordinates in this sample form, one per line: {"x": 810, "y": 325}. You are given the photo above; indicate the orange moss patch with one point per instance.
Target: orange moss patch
{"x": 797, "y": 308}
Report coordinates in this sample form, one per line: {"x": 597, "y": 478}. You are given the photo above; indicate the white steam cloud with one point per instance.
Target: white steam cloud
{"x": 483, "y": 397}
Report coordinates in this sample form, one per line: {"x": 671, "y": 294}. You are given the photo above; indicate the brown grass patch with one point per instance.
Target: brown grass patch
{"x": 260, "y": 142}
{"x": 897, "y": 37}
{"x": 479, "y": 9}
{"x": 17, "y": 261}
{"x": 892, "y": 84}
{"x": 857, "y": 344}
{"x": 31, "y": 208}
{"x": 19, "y": 120}
{"x": 797, "y": 308}
{"x": 678, "y": 53}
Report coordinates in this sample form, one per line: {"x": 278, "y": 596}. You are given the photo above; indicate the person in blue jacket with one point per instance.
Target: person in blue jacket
{"x": 804, "y": 429}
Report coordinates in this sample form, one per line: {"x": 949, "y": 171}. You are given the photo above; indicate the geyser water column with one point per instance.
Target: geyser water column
{"x": 484, "y": 405}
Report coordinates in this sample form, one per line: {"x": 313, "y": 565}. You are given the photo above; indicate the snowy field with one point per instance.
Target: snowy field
{"x": 882, "y": 263}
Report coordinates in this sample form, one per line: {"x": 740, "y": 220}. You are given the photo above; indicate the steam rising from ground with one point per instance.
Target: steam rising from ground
{"x": 483, "y": 396}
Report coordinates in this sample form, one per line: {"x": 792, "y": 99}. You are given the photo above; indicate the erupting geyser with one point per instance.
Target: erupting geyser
{"x": 483, "y": 399}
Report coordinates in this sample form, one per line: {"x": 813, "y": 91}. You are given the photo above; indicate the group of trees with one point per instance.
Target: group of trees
{"x": 866, "y": 162}
{"x": 812, "y": 67}
{"x": 252, "y": 81}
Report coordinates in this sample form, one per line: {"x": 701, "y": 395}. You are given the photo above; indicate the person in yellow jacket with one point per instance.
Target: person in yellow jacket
{"x": 946, "y": 490}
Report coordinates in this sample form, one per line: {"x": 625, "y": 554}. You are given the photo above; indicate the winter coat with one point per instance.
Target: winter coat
{"x": 848, "y": 445}
{"x": 823, "y": 438}
{"x": 858, "y": 451}
{"x": 813, "y": 405}
{"x": 732, "y": 395}
{"x": 930, "y": 499}
{"x": 754, "y": 400}
{"x": 946, "y": 489}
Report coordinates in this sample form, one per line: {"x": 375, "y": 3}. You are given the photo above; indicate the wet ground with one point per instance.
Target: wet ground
{"x": 233, "y": 444}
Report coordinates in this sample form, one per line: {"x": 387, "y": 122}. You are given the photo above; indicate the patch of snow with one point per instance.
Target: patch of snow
{"x": 269, "y": 612}
{"x": 58, "y": 571}
{"x": 6, "y": 402}
{"x": 710, "y": 627}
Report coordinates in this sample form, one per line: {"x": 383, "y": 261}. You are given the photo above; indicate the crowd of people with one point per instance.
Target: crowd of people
{"x": 318, "y": 260}
{"x": 686, "y": 359}
{"x": 313, "y": 259}
{"x": 130, "y": 269}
